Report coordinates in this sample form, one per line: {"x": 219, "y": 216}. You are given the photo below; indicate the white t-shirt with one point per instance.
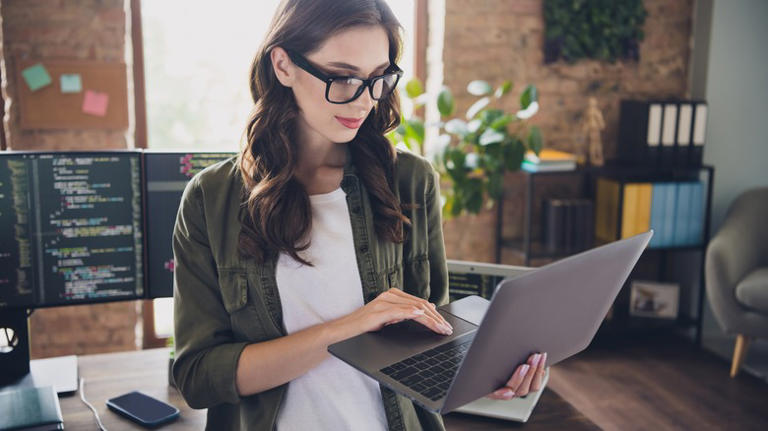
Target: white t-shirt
{"x": 333, "y": 395}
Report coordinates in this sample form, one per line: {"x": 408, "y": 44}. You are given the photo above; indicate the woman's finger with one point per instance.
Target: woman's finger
{"x": 538, "y": 378}
{"x": 429, "y": 308}
{"x": 525, "y": 386}
{"x": 434, "y": 325}
{"x": 405, "y": 311}
{"x": 517, "y": 377}
{"x": 504, "y": 393}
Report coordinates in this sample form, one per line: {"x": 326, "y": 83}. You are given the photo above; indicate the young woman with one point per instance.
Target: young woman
{"x": 317, "y": 232}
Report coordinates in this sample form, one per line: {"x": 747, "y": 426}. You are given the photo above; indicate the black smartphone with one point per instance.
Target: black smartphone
{"x": 143, "y": 409}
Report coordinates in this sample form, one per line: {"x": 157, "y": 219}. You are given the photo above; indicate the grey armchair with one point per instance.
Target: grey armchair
{"x": 736, "y": 272}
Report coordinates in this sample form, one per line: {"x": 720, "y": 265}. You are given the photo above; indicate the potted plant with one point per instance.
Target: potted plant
{"x": 476, "y": 151}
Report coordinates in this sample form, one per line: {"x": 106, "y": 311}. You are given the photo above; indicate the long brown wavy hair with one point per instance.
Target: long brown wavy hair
{"x": 279, "y": 216}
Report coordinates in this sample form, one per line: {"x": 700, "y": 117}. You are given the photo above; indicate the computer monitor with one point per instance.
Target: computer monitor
{"x": 166, "y": 176}
{"x": 71, "y": 229}
{"x": 71, "y": 232}
{"x": 475, "y": 278}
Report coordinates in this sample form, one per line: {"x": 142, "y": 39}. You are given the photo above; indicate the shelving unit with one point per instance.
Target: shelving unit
{"x": 530, "y": 246}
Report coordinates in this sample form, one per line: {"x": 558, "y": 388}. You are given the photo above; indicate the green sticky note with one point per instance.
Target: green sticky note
{"x": 71, "y": 83}
{"x": 36, "y": 76}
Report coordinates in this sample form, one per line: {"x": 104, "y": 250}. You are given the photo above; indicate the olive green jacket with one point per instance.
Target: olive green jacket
{"x": 224, "y": 302}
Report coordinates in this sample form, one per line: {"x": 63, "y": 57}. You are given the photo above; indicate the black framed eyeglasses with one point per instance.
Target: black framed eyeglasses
{"x": 344, "y": 89}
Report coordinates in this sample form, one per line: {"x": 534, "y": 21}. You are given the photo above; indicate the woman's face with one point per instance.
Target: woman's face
{"x": 360, "y": 52}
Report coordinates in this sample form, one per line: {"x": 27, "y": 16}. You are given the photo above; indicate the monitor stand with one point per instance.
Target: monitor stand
{"x": 19, "y": 371}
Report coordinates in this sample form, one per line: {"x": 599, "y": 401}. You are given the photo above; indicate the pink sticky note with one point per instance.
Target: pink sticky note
{"x": 95, "y": 103}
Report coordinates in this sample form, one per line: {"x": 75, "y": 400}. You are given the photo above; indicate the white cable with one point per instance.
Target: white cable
{"x": 95, "y": 413}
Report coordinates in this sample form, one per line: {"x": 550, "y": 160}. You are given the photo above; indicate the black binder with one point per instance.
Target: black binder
{"x": 664, "y": 133}
{"x": 639, "y": 132}
{"x": 698, "y": 132}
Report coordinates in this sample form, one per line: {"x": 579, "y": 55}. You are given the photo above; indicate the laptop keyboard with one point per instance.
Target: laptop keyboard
{"x": 429, "y": 373}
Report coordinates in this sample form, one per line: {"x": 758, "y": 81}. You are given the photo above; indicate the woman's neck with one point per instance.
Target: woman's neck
{"x": 320, "y": 166}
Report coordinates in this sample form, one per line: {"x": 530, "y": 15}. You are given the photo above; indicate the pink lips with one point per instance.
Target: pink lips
{"x": 350, "y": 123}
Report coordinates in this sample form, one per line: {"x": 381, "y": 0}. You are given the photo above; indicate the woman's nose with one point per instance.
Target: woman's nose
{"x": 364, "y": 102}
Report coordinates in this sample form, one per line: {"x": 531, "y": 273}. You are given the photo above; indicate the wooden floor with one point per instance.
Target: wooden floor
{"x": 664, "y": 383}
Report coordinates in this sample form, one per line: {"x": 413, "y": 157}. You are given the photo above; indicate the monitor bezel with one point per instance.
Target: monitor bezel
{"x": 148, "y": 291}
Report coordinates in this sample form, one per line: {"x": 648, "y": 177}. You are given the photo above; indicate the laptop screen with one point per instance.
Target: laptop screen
{"x": 474, "y": 278}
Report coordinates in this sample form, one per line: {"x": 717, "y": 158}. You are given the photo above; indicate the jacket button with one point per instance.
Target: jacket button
{"x": 363, "y": 249}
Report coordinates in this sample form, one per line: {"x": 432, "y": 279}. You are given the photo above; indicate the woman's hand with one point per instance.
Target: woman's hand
{"x": 526, "y": 378}
{"x": 394, "y": 306}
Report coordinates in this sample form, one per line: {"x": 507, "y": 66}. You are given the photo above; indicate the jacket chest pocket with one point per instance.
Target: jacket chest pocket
{"x": 246, "y": 314}
{"x": 234, "y": 290}
{"x": 394, "y": 277}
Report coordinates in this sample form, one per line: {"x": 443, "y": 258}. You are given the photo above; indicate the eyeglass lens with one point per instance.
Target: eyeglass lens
{"x": 343, "y": 90}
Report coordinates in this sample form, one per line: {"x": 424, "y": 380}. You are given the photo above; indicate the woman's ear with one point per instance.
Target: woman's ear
{"x": 283, "y": 66}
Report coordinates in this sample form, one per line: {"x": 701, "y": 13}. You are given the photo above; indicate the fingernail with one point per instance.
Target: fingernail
{"x": 447, "y": 330}
{"x": 418, "y": 312}
{"x": 544, "y": 358}
{"x": 535, "y": 360}
{"x": 524, "y": 369}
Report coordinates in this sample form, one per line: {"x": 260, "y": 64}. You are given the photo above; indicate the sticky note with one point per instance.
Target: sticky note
{"x": 71, "y": 83}
{"x": 36, "y": 76}
{"x": 95, "y": 103}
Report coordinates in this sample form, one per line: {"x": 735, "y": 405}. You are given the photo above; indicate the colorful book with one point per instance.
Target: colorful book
{"x": 30, "y": 408}
{"x": 606, "y": 210}
{"x": 549, "y": 156}
{"x": 643, "y": 218}
{"x": 658, "y": 199}
{"x": 636, "y": 217}
{"x": 670, "y": 208}
{"x": 682, "y": 214}
{"x": 697, "y": 214}
{"x": 548, "y": 167}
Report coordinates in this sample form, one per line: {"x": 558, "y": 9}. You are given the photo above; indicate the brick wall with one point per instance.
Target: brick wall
{"x": 67, "y": 29}
{"x": 497, "y": 40}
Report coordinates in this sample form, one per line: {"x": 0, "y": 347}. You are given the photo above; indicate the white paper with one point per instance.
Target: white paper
{"x": 670, "y": 120}
{"x": 654, "y": 125}
{"x": 684, "y": 128}
{"x": 700, "y": 126}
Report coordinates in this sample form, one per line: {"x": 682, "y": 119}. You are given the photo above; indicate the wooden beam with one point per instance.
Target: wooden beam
{"x": 139, "y": 93}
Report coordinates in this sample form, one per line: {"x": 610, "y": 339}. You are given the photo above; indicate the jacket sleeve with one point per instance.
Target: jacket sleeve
{"x": 438, "y": 269}
{"x": 206, "y": 356}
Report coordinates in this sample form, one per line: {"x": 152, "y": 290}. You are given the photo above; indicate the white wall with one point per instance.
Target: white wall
{"x": 730, "y": 70}
{"x": 736, "y": 87}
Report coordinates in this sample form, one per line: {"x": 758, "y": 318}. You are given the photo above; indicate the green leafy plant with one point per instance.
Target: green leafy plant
{"x": 169, "y": 343}
{"x": 474, "y": 152}
{"x": 601, "y": 29}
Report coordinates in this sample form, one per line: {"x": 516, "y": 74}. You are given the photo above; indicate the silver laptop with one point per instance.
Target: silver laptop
{"x": 476, "y": 278}
{"x": 555, "y": 309}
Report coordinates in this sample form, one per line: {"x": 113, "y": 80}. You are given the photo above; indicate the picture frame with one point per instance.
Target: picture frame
{"x": 654, "y": 299}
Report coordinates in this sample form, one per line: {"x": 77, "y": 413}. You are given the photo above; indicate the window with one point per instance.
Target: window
{"x": 197, "y": 59}
{"x": 196, "y": 64}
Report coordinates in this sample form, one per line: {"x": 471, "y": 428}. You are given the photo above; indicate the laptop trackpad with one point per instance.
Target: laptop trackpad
{"x": 470, "y": 308}
{"x": 401, "y": 340}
